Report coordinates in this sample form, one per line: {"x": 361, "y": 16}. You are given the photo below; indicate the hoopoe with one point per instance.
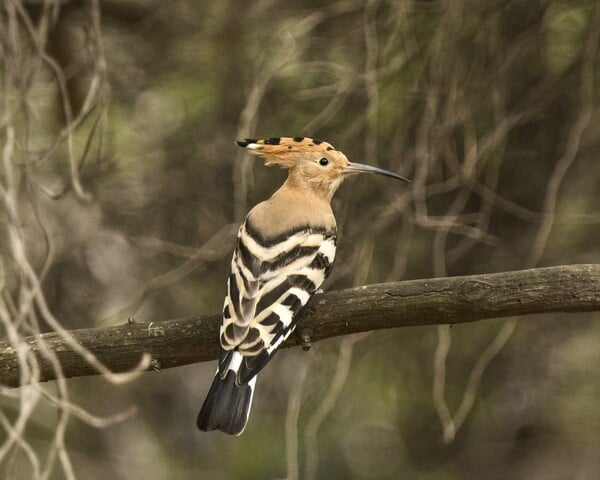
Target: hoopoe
{"x": 285, "y": 250}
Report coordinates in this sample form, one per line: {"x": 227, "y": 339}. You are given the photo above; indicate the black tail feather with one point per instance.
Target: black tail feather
{"x": 227, "y": 405}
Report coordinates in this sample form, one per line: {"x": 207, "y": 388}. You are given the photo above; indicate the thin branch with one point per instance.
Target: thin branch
{"x": 337, "y": 383}
{"x": 291, "y": 424}
{"x": 572, "y": 146}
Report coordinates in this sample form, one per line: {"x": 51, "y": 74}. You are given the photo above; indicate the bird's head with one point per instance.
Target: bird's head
{"x": 311, "y": 162}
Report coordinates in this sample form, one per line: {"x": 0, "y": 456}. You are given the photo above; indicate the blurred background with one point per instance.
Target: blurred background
{"x": 122, "y": 191}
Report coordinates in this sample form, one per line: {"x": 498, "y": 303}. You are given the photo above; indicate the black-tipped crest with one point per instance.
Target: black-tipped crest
{"x": 280, "y": 144}
{"x": 246, "y": 141}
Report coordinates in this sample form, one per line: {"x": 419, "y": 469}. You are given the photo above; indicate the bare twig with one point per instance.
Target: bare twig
{"x": 573, "y": 141}
{"x": 339, "y": 378}
{"x": 291, "y": 423}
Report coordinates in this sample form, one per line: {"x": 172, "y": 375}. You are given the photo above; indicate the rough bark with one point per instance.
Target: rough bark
{"x": 171, "y": 343}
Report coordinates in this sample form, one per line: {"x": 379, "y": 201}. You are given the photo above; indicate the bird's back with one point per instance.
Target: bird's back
{"x": 282, "y": 257}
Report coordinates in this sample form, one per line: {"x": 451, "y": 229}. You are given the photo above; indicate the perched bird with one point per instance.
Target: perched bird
{"x": 285, "y": 250}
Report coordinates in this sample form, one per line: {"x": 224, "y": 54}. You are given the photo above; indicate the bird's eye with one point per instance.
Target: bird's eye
{"x": 323, "y": 162}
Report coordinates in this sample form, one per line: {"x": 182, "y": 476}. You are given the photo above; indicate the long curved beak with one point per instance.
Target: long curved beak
{"x": 361, "y": 168}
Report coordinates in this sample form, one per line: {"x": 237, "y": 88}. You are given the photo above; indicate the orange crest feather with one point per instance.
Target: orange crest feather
{"x": 283, "y": 145}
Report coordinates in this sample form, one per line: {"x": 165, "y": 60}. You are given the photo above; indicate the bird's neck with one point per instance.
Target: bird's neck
{"x": 292, "y": 206}
{"x": 309, "y": 188}
{"x": 300, "y": 194}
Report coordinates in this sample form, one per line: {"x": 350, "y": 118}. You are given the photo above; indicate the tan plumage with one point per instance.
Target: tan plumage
{"x": 286, "y": 248}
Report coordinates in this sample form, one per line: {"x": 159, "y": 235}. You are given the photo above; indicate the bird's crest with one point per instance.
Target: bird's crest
{"x": 279, "y": 145}
{"x": 283, "y": 150}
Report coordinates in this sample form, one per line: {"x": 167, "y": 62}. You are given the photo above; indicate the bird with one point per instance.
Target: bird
{"x": 285, "y": 250}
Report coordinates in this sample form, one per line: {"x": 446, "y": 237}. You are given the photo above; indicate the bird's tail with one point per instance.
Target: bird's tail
{"x": 227, "y": 405}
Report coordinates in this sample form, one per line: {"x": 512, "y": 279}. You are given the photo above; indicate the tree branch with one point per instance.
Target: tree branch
{"x": 171, "y": 343}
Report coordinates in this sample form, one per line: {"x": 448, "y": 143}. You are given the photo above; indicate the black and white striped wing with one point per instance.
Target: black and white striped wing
{"x": 271, "y": 280}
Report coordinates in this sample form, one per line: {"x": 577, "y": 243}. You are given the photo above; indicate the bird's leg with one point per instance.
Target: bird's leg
{"x": 305, "y": 328}
{"x": 305, "y": 334}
